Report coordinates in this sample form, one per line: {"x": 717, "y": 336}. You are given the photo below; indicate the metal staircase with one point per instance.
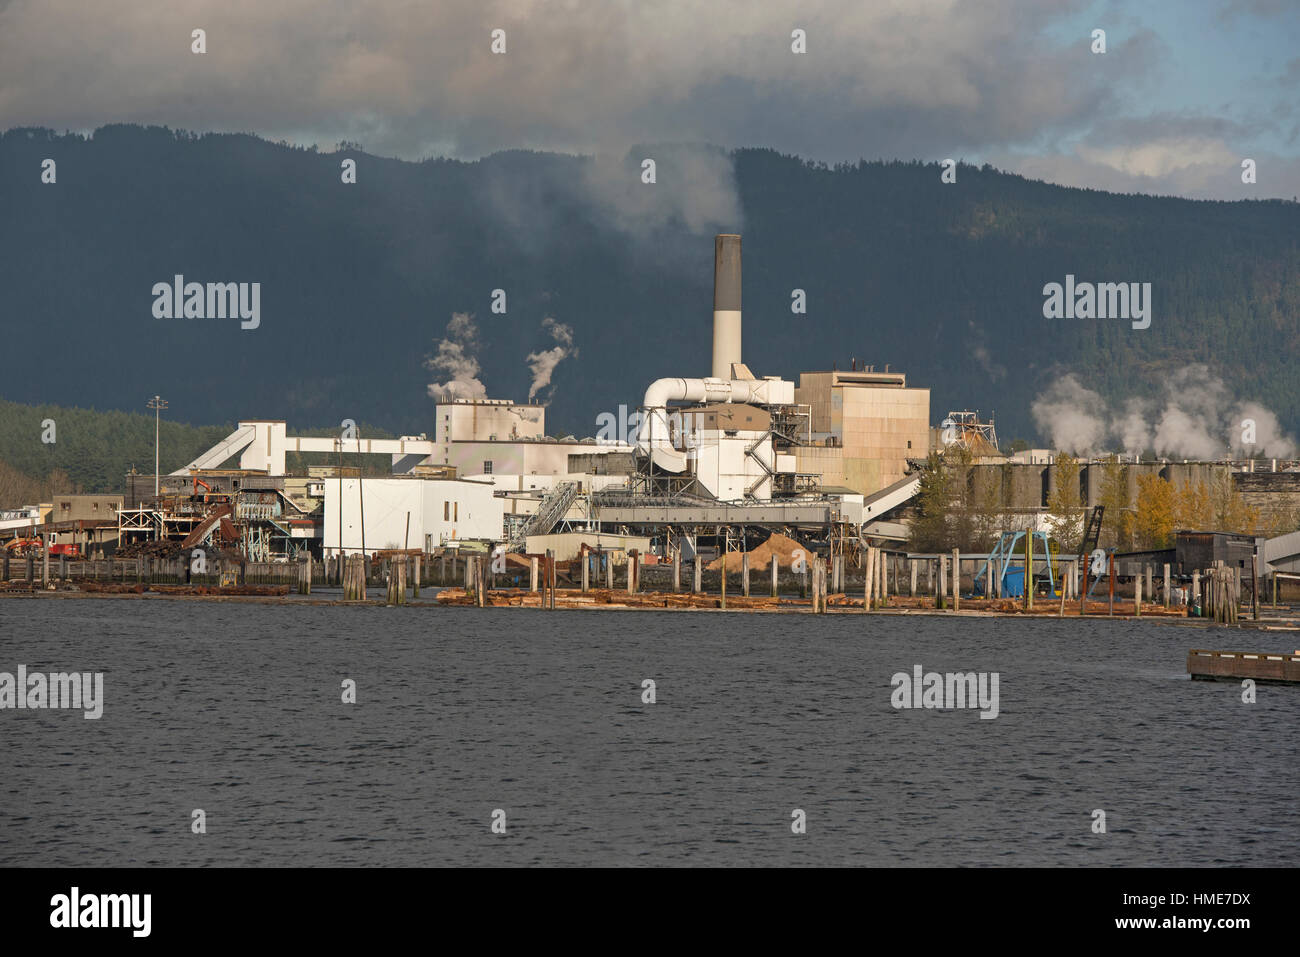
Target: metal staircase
{"x": 768, "y": 472}
{"x": 1092, "y": 534}
{"x": 554, "y": 506}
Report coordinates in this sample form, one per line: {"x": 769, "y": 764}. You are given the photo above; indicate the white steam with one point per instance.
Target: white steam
{"x": 1072, "y": 416}
{"x": 542, "y": 364}
{"x": 457, "y": 359}
{"x": 1196, "y": 418}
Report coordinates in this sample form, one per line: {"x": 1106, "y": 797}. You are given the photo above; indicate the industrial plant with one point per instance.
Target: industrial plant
{"x": 718, "y": 460}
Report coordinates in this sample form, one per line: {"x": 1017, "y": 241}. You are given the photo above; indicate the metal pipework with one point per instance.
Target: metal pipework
{"x": 653, "y": 436}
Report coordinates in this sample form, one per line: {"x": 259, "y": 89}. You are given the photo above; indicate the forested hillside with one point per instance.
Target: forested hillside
{"x": 358, "y": 283}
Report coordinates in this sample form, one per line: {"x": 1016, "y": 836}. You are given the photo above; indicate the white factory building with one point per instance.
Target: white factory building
{"x": 475, "y": 436}
{"x": 408, "y": 512}
{"x": 500, "y": 437}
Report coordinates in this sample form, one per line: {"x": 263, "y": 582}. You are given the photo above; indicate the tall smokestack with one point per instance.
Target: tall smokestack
{"x": 726, "y": 304}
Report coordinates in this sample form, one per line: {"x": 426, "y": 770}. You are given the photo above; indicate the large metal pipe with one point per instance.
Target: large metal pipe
{"x": 726, "y": 304}
{"x": 655, "y": 436}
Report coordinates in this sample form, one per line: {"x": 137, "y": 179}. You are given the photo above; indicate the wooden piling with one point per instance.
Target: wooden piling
{"x": 913, "y": 568}
{"x": 677, "y": 569}
{"x": 869, "y": 590}
{"x": 1254, "y": 589}
{"x": 819, "y": 587}
{"x": 397, "y": 581}
{"x": 1029, "y": 571}
{"x": 956, "y": 578}
{"x": 1137, "y": 596}
{"x": 724, "y": 577}
{"x": 698, "y": 585}
{"x": 1110, "y": 580}
{"x": 744, "y": 574}
{"x": 775, "y": 571}
{"x": 354, "y": 587}
{"x": 1083, "y": 588}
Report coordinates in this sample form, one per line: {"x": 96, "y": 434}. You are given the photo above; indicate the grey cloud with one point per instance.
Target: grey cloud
{"x": 411, "y": 78}
{"x": 408, "y": 78}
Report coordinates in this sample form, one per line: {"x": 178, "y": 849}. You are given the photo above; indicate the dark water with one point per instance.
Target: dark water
{"x": 235, "y": 709}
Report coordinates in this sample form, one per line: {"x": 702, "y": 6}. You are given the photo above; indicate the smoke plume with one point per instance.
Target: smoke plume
{"x": 457, "y": 359}
{"x": 1197, "y": 417}
{"x": 542, "y": 364}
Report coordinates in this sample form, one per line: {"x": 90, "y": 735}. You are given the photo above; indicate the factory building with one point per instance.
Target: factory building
{"x": 731, "y": 442}
{"x": 407, "y": 512}
{"x": 745, "y": 439}
{"x": 864, "y": 427}
{"x": 763, "y": 452}
{"x": 499, "y": 437}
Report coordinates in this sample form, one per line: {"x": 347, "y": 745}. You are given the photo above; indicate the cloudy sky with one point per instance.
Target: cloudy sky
{"x": 1185, "y": 90}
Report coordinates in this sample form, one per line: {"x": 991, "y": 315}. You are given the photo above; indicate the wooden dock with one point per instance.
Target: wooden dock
{"x": 1266, "y": 666}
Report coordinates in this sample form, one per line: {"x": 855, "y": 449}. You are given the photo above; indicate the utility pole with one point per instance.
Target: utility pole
{"x": 157, "y": 403}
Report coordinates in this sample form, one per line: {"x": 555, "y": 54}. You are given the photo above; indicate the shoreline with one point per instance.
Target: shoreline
{"x": 576, "y": 600}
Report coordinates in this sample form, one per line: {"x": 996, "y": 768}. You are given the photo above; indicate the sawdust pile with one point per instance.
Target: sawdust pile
{"x": 780, "y": 546}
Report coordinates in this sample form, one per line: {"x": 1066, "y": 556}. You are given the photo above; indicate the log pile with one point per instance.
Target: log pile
{"x": 265, "y": 591}
{"x": 617, "y": 598}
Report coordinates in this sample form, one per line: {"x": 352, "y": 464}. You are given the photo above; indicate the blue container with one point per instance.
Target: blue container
{"x": 1013, "y": 583}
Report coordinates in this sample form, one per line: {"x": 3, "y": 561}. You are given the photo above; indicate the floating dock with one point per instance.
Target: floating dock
{"x": 1271, "y": 667}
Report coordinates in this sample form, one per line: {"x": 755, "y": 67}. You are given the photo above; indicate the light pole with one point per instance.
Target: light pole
{"x": 157, "y": 403}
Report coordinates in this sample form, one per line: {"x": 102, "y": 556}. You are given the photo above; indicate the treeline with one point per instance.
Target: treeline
{"x": 47, "y": 449}
{"x": 18, "y": 488}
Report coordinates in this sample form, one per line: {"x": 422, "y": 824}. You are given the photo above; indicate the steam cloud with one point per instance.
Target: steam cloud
{"x": 542, "y": 364}
{"x": 458, "y": 360}
{"x": 1197, "y": 418}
